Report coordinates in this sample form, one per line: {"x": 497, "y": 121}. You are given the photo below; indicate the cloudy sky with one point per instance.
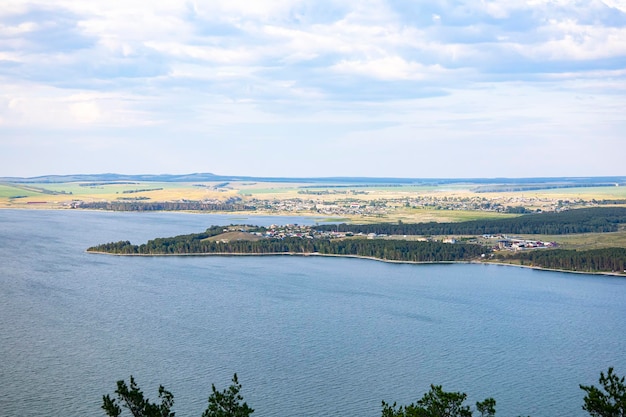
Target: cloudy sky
{"x": 379, "y": 88}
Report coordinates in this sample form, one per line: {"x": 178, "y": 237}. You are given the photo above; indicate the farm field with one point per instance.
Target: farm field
{"x": 585, "y": 240}
{"x": 352, "y": 202}
{"x": 574, "y": 241}
{"x": 330, "y": 201}
{"x": 584, "y": 192}
{"x": 61, "y": 195}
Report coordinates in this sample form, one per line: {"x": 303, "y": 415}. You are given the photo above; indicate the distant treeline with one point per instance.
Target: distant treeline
{"x": 97, "y": 184}
{"x": 501, "y": 188}
{"x": 593, "y": 260}
{"x": 596, "y": 219}
{"x": 141, "y": 190}
{"x": 200, "y": 177}
{"x": 611, "y": 201}
{"x": 393, "y": 250}
{"x": 377, "y": 185}
{"x": 164, "y": 206}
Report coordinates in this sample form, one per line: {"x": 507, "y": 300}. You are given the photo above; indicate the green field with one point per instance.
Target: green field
{"x": 60, "y": 195}
{"x": 8, "y": 192}
{"x": 583, "y": 192}
{"x": 585, "y": 240}
{"x": 417, "y": 215}
{"x": 82, "y": 189}
{"x": 266, "y": 191}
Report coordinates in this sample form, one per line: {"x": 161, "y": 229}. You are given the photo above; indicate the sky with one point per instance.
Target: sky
{"x": 314, "y": 88}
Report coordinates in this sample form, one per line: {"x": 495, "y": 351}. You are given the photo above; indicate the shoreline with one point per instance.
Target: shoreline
{"x": 474, "y": 262}
{"x": 242, "y": 214}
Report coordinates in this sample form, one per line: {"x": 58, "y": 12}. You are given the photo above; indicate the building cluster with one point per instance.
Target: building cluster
{"x": 384, "y": 206}
{"x": 504, "y": 242}
{"x": 299, "y": 231}
{"x": 334, "y": 208}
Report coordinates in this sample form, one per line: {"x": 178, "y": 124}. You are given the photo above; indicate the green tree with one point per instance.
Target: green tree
{"x": 133, "y": 400}
{"x": 486, "y": 408}
{"x": 227, "y": 403}
{"x": 439, "y": 403}
{"x": 609, "y": 400}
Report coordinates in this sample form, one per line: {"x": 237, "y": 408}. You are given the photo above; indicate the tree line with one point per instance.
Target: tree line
{"x": 164, "y": 206}
{"x": 392, "y": 250}
{"x": 607, "y": 400}
{"x": 587, "y": 220}
{"x": 592, "y": 260}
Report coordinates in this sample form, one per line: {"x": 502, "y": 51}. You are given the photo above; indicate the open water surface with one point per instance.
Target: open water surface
{"x": 308, "y": 336}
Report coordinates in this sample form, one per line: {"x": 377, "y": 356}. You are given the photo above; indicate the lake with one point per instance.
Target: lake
{"x": 307, "y": 336}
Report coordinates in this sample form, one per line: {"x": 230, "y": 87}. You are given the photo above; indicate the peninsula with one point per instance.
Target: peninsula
{"x": 409, "y": 242}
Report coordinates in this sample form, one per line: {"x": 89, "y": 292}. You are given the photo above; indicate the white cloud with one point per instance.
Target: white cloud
{"x": 387, "y": 68}
{"x": 86, "y": 112}
{"x": 45, "y": 107}
{"x": 284, "y": 70}
{"x": 616, "y": 4}
{"x": 20, "y": 29}
{"x": 205, "y": 53}
{"x": 570, "y": 40}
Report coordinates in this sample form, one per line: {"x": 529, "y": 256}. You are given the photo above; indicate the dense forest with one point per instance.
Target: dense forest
{"x": 596, "y": 219}
{"x": 164, "y": 206}
{"x": 595, "y": 260}
{"x": 609, "y": 259}
{"x": 393, "y": 250}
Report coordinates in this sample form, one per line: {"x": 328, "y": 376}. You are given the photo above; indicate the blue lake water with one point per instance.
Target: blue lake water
{"x": 308, "y": 336}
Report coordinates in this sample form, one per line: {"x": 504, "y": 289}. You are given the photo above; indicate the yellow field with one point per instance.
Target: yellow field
{"x": 61, "y": 195}
{"x": 294, "y": 198}
{"x": 409, "y": 215}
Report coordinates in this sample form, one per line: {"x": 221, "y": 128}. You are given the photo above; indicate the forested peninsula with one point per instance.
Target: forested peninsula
{"x": 251, "y": 244}
{"x": 373, "y": 241}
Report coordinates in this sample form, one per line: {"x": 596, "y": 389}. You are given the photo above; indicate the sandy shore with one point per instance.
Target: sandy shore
{"x": 474, "y": 262}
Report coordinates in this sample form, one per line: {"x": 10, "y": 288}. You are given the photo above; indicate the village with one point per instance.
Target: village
{"x": 497, "y": 242}
{"x": 295, "y": 231}
{"x": 381, "y": 207}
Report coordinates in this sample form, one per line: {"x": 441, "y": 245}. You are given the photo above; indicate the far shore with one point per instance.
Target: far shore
{"x": 473, "y": 262}
{"x": 235, "y": 214}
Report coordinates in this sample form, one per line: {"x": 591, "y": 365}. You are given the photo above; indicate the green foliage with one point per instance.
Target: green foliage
{"x": 439, "y": 403}
{"x": 517, "y": 210}
{"x": 227, "y": 403}
{"x": 395, "y": 250}
{"x": 595, "y": 260}
{"x": 133, "y": 400}
{"x": 607, "y": 401}
{"x": 606, "y": 259}
{"x": 486, "y": 408}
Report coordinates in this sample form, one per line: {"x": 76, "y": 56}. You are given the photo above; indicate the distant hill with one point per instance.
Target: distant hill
{"x": 518, "y": 184}
{"x": 112, "y": 177}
